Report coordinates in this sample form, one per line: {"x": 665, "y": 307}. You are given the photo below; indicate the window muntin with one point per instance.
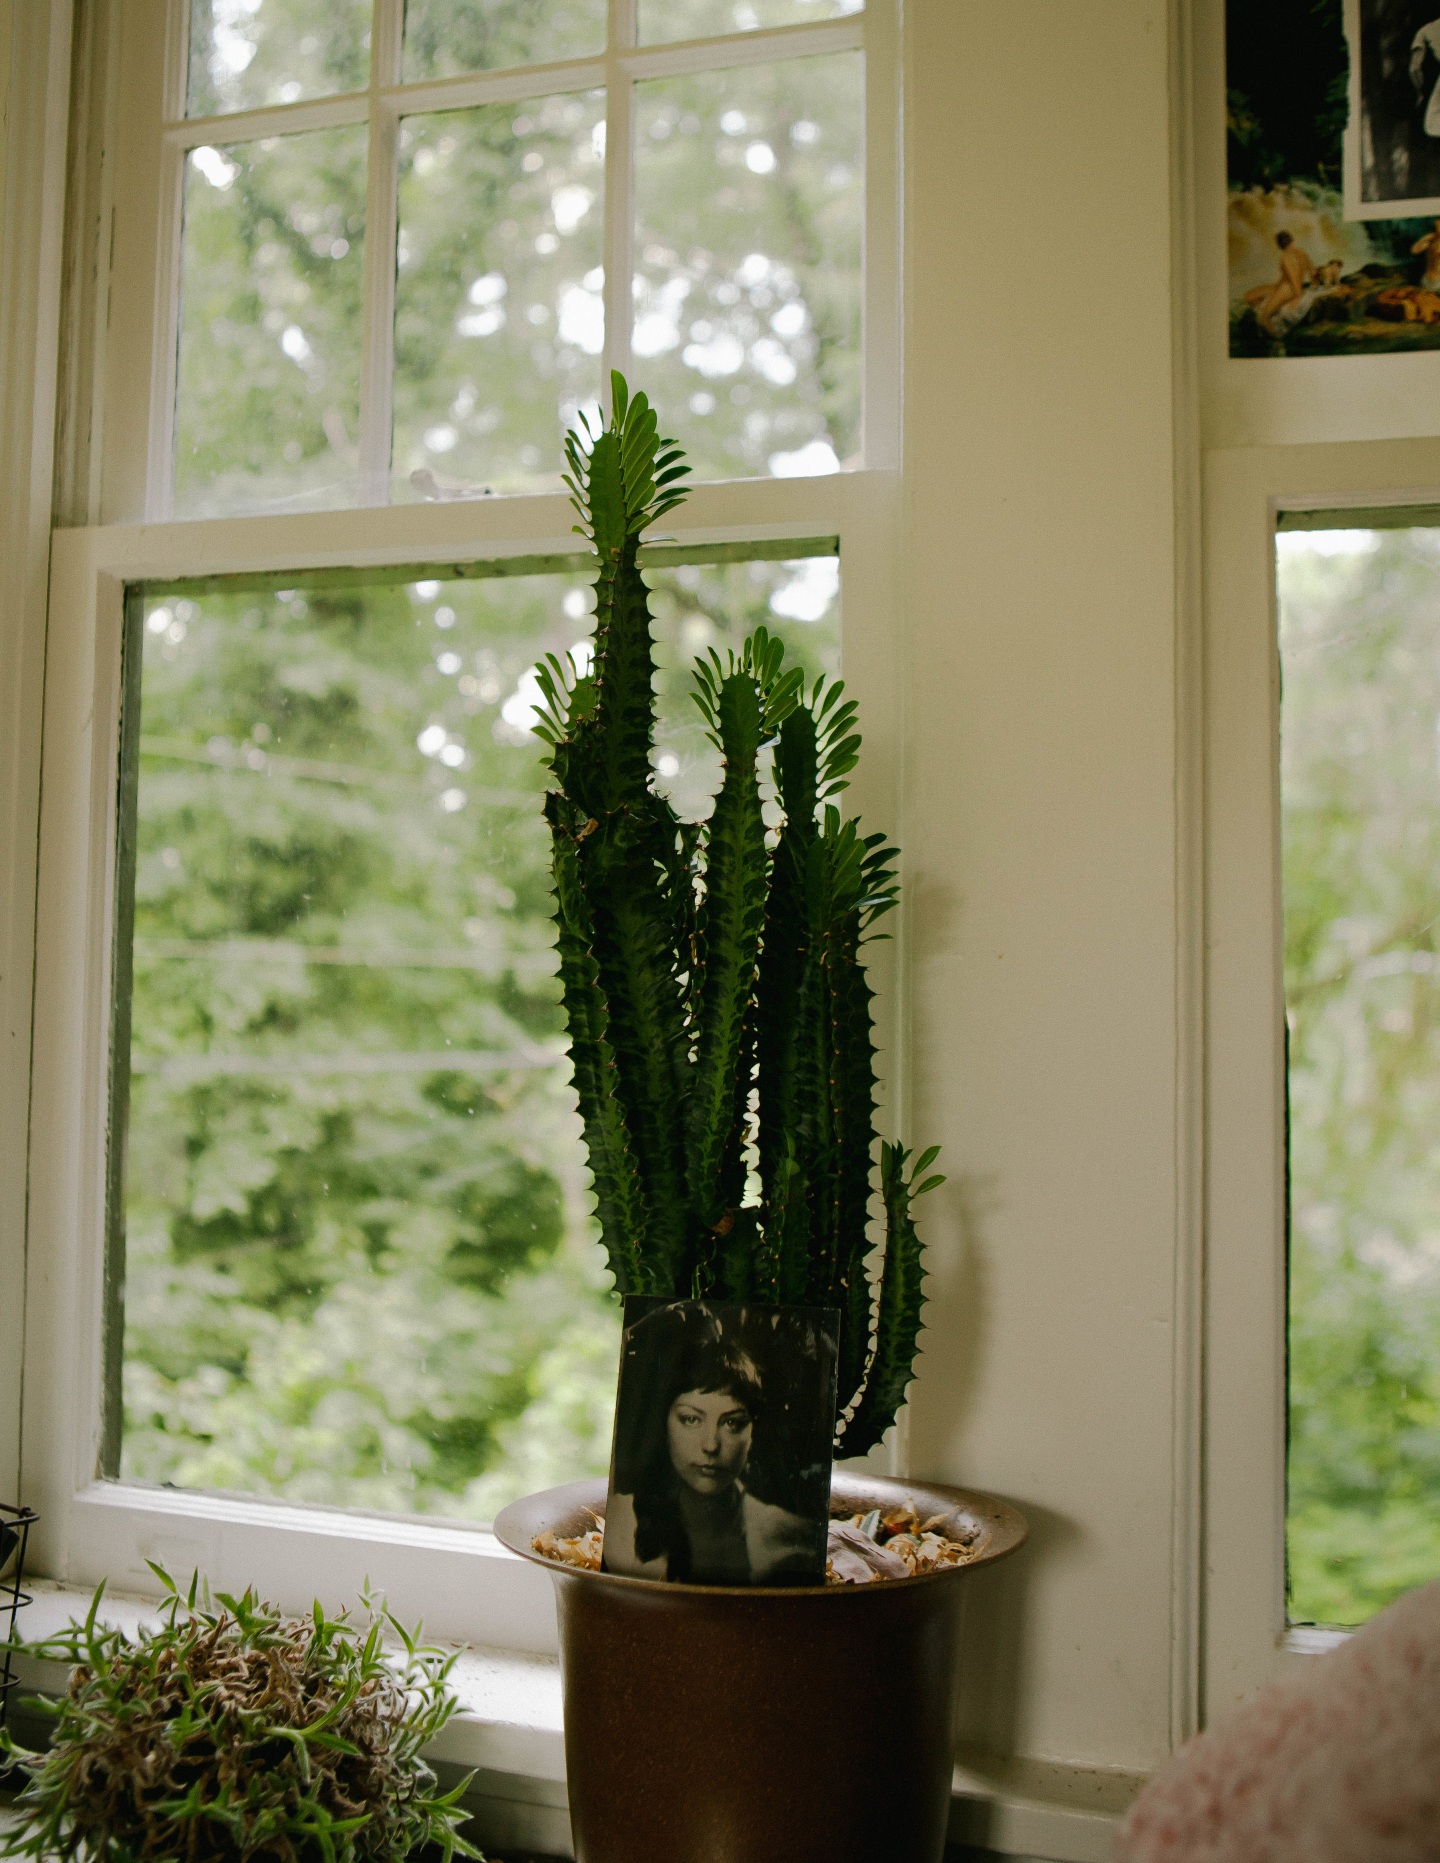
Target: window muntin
{"x": 804, "y": 209}
{"x": 1360, "y": 810}
{"x": 354, "y": 1237}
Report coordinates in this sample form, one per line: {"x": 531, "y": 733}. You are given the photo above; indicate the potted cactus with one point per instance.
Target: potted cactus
{"x": 723, "y": 1054}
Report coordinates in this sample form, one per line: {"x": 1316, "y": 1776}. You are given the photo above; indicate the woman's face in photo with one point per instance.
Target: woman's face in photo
{"x": 709, "y": 1434}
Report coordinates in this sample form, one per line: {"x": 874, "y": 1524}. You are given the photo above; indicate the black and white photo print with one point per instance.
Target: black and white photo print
{"x": 724, "y": 1421}
{"x": 1392, "y": 152}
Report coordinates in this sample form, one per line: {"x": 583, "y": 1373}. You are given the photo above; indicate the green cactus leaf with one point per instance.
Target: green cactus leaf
{"x": 898, "y": 1323}
{"x": 619, "y": 1199}
{"x": 632, "y": 940}
{"x": 727, "y": 945}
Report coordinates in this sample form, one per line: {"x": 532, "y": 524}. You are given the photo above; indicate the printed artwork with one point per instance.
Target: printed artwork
{"x": 724, "y": 1420}
{"x": 1334, "y": 174}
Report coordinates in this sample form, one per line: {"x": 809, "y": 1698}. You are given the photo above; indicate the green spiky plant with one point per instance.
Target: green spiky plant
{"x": 718, "y": 1007}
{"x": 228, "y": 1733}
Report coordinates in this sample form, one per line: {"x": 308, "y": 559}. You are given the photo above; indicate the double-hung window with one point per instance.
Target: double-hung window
{"x": 316, "y": 1284}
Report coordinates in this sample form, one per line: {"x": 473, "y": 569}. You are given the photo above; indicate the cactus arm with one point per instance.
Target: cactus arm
{"x": 624, "y": 482}
{"x": 633, "y": 948}
{"x": 625, "y": 866}
{"x": 727, "y": 946}
{"x": 782, "y": 1017}
{"x": 619, "y": 1199}
{"x": 902, "y": 1300}
{"x": 852, "y": 1123}
{"x": 624, "y": 682}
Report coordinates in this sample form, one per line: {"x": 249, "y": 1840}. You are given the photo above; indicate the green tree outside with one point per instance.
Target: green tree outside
{"x": 1360, "y": 648}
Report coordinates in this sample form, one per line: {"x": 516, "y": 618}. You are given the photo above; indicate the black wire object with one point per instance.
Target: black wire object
{"x": 15, "y": 1525}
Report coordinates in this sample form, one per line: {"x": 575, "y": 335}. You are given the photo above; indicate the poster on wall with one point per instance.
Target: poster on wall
{"x": 1333, "y": 136}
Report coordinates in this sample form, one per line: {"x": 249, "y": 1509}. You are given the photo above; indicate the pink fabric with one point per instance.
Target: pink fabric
{"x": 1340, "y": 1765}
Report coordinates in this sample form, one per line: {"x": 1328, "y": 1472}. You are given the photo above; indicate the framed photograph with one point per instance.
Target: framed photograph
{"x": 1392, "y": 137}
{"x": 724, "y": 1421}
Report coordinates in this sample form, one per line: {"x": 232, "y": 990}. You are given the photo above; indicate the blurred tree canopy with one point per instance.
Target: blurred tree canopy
{"x": 1360, "y": 645}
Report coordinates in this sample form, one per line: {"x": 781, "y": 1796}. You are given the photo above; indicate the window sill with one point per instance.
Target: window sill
{"x": 1313, "y": 1639}
{"x": 509, "y": 1731}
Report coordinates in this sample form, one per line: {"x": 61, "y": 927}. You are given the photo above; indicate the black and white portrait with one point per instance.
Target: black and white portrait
{"x": 1393, "y": 136}
{"x": 724, "y": 1419}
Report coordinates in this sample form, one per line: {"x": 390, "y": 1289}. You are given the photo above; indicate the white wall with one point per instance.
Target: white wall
{"x": 1040, "y": 835}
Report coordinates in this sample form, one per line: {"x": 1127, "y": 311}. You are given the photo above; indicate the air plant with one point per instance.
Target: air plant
{"x": 717, "y": 1001}
{"x": 229, "y": 1733}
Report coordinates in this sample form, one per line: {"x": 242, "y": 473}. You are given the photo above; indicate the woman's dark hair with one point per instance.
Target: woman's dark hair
{"x": 675, "y": 1348}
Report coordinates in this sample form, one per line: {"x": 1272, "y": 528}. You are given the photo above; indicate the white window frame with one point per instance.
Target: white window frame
{"x": 454, "y": 1575}
{"x": 1248, "y": 1641}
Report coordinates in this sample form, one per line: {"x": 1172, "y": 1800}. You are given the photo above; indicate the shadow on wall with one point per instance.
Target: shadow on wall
{"x": 994, "y": 1632}
{"x": 996, "y": 1619}
{"x": 957, "y": 1290}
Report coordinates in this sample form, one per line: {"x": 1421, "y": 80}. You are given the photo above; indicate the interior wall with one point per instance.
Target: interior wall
{"x": 1041, "y": 844}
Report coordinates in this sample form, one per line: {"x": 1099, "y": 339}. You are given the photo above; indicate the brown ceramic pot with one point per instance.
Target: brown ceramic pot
{"x": 719, "y": 1724}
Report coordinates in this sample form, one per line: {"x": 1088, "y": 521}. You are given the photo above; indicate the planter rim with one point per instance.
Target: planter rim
{"x": 1006, "y": 1531}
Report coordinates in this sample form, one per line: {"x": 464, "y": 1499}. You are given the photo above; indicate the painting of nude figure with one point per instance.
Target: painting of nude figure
{"x": 1333, "y": 136}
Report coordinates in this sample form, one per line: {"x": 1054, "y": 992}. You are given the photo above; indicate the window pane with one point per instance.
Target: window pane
{"x": 704, "y": 19}
{"x": 1360, "y": 647}
{"x": 360, "y": 1266}
{"x": 247, "y": 53}
{"x": 499, "y": 318}
{"x": 748, "y": 288}
{"x": 267, "y": 406}
{"x": 445, "y": 37}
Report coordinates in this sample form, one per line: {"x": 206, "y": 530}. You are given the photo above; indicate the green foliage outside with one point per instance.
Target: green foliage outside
{"x": 360, "y": 1264}
{"x": 245, "y": 54}
{"x": 499, "y": 317}
{"x": 268, "y": 385}
{"x": 1360, "y": 644}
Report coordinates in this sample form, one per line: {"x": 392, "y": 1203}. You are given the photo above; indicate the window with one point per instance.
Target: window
{"x": 354, "y": 1237}
{"x": 320, "y": 1292}
{"x": 409, "y": 246}
{"x": 1320, "y": 807}
{"x": 1360, "y": 795}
